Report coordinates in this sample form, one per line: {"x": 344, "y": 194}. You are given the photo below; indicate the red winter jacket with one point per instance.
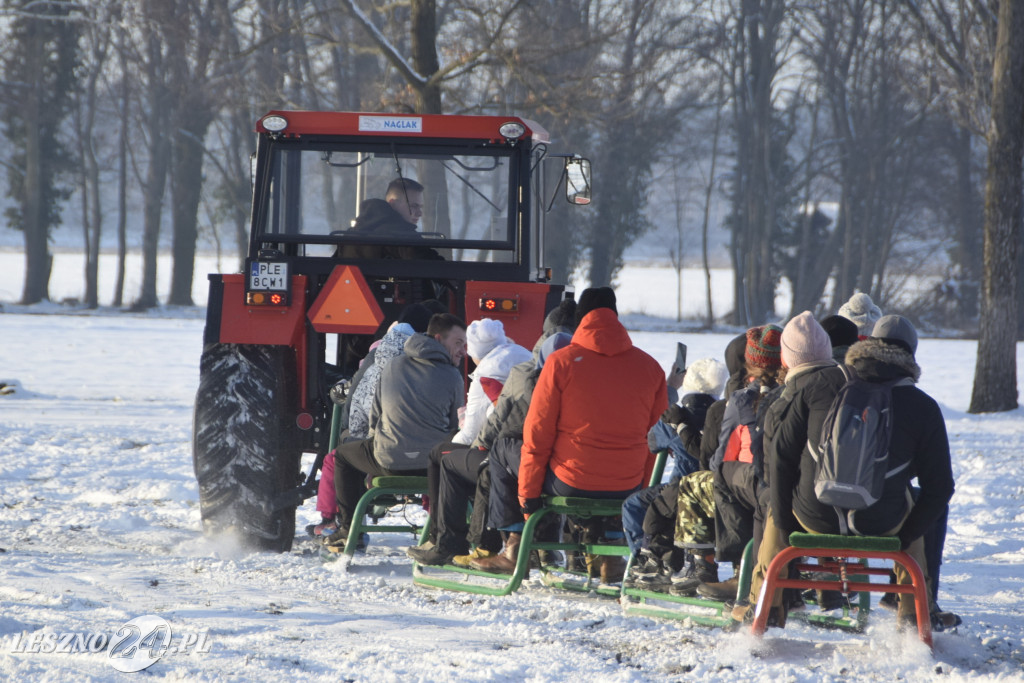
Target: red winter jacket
{"x": 594, "y": 403}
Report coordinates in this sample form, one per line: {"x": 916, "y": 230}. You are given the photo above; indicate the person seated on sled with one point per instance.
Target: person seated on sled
{"x": 460, "y": 469}
{"x": 463, "y": 470}
{"x": 795, "y": 421}
{"x": 586, "y": 429}
{"x": 494, "y": 355}
{"x": 394, "y": 217}
{"x": 734, "y": 483}
{"x": 741, "y": 487}
{"x": 680, "y": 431}
{"x": 355, "y": 413}
{"x": 416, "y": 406}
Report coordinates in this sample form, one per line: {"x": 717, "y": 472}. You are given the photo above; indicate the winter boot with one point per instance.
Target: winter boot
{"x": 505, "y": 561}
{"x": 612, "y": 569}
{"x": 594, "y": 563}
{"x": 646, "y": 564}
{"x": 942, "y": 620}
{"x": 697, "y": 570}
{"x": 476, "y": 554}
{"x": 721, "y": 591}
{"x": 431, "y": 555}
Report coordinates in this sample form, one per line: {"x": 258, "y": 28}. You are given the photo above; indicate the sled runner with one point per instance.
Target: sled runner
{"x": 706, "y": 612}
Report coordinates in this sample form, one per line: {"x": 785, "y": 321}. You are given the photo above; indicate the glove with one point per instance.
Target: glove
{"x": 674, "y": 414}
{"x": 906, "y": 540}
{"x": 529, "y": 505}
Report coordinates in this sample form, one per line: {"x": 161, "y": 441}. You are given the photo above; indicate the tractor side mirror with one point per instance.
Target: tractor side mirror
{"x": 577, "y": 181}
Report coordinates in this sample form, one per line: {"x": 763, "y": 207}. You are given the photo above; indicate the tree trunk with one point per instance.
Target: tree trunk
{"x": 122, "y": 183}
{"x": 38, "y": 260}
{"x": 186, "y": 189}
{"x": 995, "y": 375}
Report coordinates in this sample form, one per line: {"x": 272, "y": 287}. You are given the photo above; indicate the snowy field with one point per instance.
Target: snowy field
{"x": 99, "y": 525}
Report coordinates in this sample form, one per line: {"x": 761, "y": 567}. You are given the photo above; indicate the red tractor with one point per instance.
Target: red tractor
{"x": 317, "y": 289}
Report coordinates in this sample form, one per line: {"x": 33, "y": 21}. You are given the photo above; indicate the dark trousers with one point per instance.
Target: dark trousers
{"x": 353, "y": 461}
{"x": 434, "y": 480}
{"x": 503, "y": 504}
{"x": 659, "y": 524}
{"x": 459, "y": 469}
{"x": 736, "y": 506}
{"x": 480, "y": 534}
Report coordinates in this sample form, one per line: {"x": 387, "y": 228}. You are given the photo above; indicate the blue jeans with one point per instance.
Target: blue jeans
{"x": 634, "y": 509}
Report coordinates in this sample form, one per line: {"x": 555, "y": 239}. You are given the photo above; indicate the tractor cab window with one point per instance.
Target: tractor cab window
{"x": 392, "y": 201}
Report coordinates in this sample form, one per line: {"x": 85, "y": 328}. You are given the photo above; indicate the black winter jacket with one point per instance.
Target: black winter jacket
{"x": 919, "y": 437}
{"x": 793, "y": 420}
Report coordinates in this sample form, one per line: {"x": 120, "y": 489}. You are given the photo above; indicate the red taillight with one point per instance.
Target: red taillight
{"x": 491, "y": 305}
{"x": 304, "y": 421}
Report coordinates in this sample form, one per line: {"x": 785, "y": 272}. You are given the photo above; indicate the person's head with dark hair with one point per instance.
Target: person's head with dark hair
{"x": 450, "y": 331}
{"x": 593, "y": 298}
{"x": 435, "y": 306}
{"x": 406, "y": 197}
{"x": 417, "y": 316}
{"x": 841, "y": 330}
{"x": 735, "y": 363}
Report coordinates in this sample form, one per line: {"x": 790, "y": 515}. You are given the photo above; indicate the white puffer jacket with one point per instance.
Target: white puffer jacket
{"x": 487, "y": 380}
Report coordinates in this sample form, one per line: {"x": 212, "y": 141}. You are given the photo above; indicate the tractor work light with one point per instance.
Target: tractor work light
{"x": 275, "y": 123}
{"x": 512, "y": 130}
{"x": 491, "y": 305}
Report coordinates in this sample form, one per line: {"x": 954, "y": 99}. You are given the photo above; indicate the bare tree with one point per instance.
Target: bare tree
{"x": 760, "y": 47}
{"x": 995, "y": 375}
{"x": 645, "y": 90}
{"x": 195, "y": 78}
{"x": 154, "y": 113}
{"x": 38, "y": 63}
{"x": 97, "y": 39}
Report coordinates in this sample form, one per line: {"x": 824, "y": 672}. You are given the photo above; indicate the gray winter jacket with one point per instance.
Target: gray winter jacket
{"x": 416, "y": 405}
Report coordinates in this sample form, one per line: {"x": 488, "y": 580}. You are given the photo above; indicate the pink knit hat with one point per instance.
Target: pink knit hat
{"x": 804, "y": 340}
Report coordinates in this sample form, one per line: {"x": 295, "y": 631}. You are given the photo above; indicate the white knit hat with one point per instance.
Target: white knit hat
{"x": 705, "y": 376}
{"x": 863, "y": 311}
{"x": 482, "y": 336}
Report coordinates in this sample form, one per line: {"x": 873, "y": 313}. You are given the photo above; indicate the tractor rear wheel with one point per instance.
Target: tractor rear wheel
{"x": 244, "y": 447}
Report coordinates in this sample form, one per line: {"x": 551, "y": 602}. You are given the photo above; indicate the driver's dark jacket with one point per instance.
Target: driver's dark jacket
{"x": 378, "y": 219}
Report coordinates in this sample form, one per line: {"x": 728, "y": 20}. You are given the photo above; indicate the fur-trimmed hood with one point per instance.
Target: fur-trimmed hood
{"x": 876, "y": 361}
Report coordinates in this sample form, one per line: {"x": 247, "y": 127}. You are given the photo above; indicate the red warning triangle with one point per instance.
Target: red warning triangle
{"x": 346, "y": 305}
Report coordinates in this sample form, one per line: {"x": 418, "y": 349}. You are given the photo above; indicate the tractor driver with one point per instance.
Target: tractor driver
{"x": 394, "y": 217}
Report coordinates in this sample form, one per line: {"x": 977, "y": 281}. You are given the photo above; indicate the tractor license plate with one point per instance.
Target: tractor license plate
{"x": 268, "y": 276}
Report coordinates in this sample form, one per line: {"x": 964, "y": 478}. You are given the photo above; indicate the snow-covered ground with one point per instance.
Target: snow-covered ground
{"x": 99, "y": 525}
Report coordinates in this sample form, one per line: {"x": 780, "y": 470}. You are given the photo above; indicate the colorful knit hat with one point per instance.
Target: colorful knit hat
{"x": 764, "y": 347}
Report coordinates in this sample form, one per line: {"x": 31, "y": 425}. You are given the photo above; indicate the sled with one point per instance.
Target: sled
{"x": 384, "y": 491}
{"x": 466, "y": 579}
{"x": 698, "y": 610}
{"x": 833, "y": 554}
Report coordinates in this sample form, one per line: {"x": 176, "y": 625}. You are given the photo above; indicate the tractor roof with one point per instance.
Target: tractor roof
{"x": 447, "y": 126}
